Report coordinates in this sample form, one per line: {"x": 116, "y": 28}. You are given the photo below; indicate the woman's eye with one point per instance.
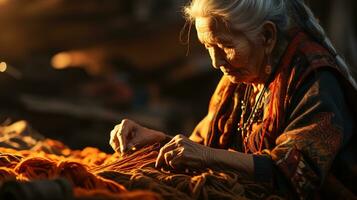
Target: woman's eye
{"x": 228, "y": 46}
{"x": 224, "y": 46}
{"x": 207, "y": 46}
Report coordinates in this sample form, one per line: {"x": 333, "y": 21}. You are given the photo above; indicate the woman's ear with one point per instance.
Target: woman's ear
{"x": 269, "y": 34}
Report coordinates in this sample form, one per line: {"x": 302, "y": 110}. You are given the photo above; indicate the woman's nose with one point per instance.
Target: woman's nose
{"x": 217, "y": 59}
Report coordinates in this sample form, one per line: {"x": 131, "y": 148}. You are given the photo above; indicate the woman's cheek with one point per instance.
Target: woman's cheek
{"x": 241, "y": 61}
{"x": 246, "y": 52}
{"x": 236, "y": 58}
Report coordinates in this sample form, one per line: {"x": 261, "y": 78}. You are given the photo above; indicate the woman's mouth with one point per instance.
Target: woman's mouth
{"x": 230, "y": 72}
{"x": 226, "y": 71}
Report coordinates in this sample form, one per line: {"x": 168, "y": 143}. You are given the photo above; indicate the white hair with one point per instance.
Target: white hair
{"x": 248, "y": 16}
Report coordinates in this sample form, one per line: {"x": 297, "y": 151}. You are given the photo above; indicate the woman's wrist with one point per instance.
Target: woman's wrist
{"x": 210, "y": 158}
{"x": 223, "y": 159}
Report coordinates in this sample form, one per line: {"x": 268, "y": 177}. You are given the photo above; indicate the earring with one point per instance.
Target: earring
{"x": 268, "y": 67}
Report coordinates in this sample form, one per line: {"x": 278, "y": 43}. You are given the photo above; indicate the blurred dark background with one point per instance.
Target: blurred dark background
{"x": 74, "y": 68}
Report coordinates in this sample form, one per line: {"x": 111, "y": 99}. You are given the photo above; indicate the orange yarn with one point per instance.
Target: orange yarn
{"x": 96, "y": 194}
{"x": 32, "y": 157}
{"x": 79, "y": 176}
{"x": 36, "y": 168}
{"x": 25, "y": 165}
{"x": 9, "y": 160}
{"x": 129, "y": 162}
{"x": 7, "y": 174}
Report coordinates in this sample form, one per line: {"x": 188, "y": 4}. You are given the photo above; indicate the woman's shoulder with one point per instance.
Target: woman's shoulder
{"x": 324, "y": 82}
{"x": 320, "y": 69}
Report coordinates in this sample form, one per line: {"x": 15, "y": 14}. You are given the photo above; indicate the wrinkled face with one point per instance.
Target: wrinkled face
{"x": 232, "y": 52}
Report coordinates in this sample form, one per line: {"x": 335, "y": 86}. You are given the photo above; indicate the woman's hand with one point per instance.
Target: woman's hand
{"x": 182, "y": 153}
{"x": 129, "y": 134}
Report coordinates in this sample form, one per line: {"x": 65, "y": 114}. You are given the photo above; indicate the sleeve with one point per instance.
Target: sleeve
{"x": 201, "y": 132}
{"x": 318, "y": 121}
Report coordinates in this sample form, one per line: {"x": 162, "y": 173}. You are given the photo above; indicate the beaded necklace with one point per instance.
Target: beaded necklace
{"x": 246, "y": 121}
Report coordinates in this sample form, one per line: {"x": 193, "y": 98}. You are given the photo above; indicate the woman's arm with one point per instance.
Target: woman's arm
{"x": 224, "y": 159}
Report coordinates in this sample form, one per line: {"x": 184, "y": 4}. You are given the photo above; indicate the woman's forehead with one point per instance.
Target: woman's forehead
{"x": 210, "y": 30}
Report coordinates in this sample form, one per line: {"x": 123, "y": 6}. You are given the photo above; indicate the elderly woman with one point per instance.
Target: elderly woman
{"x": 282, "y": 111}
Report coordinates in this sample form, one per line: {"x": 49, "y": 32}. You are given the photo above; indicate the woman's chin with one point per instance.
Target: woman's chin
{"x": 236, "y": 79}
{"x": 232, "y": 79}
{"x": 240, "y": 79}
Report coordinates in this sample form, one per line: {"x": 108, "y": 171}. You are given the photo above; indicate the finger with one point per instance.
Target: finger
{"x": 176, "y": 163}
{"x": 176, "y": 160}
{"x": 168, "y": 156}
{"x": 114, "y": 142}
{"x": 160, "y": 160}
{"x": 122, "y": 137}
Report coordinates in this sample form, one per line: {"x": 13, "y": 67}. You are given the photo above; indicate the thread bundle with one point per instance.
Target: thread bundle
{"x": 24, "y": 166}
{"x": 95, "y": 175}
